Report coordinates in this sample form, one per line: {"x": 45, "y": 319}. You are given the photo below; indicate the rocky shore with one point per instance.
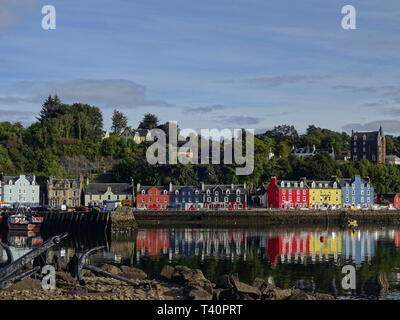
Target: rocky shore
{"x": 173, "y": 283}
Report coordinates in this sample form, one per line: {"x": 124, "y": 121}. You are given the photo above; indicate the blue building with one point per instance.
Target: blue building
{"x": 185, "y": 197}
{"x": 22, "y": 190}
{"x": 357, "y": 192}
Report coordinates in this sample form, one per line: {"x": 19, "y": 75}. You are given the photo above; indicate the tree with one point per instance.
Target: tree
{"x": 119, "y": 122}
{"x": 149, "y": 121}
{"x": 283, "y": 132}
{"x": 51, "y": 108}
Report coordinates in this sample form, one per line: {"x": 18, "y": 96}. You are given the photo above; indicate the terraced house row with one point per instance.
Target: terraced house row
{"x": 192, "y": 197}
{"x": 335, "y": 193}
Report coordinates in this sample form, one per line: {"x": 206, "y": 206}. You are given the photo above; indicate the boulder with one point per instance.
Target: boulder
{"x": 224, "y": 282}
{"x": 245, "y": 289}
{"x": 111, "y": 268}
{"x": 229, "y": 294}
{"x": 298, "y": 294}
{"x": 167, "y": 272}
{"x": 197, "y": 293}
{"x": 273, "y": 293}
{"x": 324, "y": 296}
{"x": 26, "y": 284}
{"x": 133, "y": 273}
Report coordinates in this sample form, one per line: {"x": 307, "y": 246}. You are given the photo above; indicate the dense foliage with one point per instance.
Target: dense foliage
{"x": 64, "y": 130}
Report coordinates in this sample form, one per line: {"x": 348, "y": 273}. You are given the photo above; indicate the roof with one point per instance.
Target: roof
{"x": 54, "y": 182}
{"x": 116, "y": 188}
{"x": 7, "y": 179}
{"x": 369, "y": 136}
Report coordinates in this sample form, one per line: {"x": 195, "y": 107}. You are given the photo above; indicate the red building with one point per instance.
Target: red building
{"x": 285, "y": 194}
{"x": 392, "y": 199}
{"x": 156, "y": 198}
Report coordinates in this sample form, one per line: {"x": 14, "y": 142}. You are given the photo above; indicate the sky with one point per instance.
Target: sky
{"x": 250, "y": 64}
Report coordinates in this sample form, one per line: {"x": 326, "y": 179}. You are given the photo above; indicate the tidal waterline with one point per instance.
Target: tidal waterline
{"x": 310, "y": 258}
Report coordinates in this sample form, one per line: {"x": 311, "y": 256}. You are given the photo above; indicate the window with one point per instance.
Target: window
{"x": 283, "y": 191}
{"x": 283, "y": 198}
{"x": 226, "y": 199}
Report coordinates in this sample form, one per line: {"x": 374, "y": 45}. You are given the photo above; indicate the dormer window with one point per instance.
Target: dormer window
{"x": 313, "y": 185}
{"x": 301, "y": 185}
{"x": 165, "y": 191}
{"x": 216, "y": 193}
{"x": 208, "y": 191}
{"x": 238, "y": 191}
{"x": 282, "y": 184}
{"x": 228, "y": 192}
{"x": 176, "y": 192}
{"x": 143, "y": 192}
{"x": 288, "y": 184}
{"x": 295, "y": 184}
{"x": 196, "y": 192}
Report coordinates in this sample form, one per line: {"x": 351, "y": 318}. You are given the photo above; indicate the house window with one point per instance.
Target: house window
{"x": 283, "y": 191}
{"x": 283, "y": 198}
{"x": 238, "y": 199}
{"x": 226, "y": 199}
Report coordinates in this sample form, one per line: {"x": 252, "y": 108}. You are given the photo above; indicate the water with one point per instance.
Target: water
{"x": 306, "y": 258}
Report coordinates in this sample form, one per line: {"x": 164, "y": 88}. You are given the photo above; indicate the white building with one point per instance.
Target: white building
{"x": 21, "y": 190}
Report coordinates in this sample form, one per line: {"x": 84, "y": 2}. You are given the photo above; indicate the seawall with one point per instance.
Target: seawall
{"x": 265, "y": 217}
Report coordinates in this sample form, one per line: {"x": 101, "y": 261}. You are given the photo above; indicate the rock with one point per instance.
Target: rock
{"x": 324, "y": 296}
{"x": 273, "y": 293}
{"x": 298, "y": 294}
{"x": 216, "y": 294}
{"x": 79, "y": 290}
{"x": 26, "y": 284}
{"x": 111, "y": 268}
{"x": 223, "y": 282}
{"x": 229, "y": 294}
{"x": 133, "y": 273}
{"x": 197, "y": 293}
{"x": 60, "y": 275}
{"x": 245, "y": 289}
{"x": 167, "y": 272}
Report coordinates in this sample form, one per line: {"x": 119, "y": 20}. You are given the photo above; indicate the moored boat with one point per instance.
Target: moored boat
{"x": 20, "y": 222}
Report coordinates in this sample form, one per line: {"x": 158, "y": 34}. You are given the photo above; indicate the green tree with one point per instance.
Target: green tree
{"x": 119, "y": 122}
{"x": 150, "y": 121}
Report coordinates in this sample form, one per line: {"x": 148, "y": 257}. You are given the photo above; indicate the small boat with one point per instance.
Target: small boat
{"x": 352, "y": 224}
{"x": 21, "y": 222}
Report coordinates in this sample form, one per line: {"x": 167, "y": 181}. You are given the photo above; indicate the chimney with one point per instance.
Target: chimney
{"x": 138, "y": 188}
{"x": 202, "y": 186}
{"x": 232, "y": 186}
{"x": 87, "y": 181}
{"x": 170, "y": 187}
{"x": 274, "y": 180}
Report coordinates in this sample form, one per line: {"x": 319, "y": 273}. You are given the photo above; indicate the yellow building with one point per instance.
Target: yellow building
{"x": 325, "y": 194}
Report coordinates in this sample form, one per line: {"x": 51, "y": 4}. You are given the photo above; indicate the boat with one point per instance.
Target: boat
{"x": 21, "y": 222}
{"x": 352, "y": 224}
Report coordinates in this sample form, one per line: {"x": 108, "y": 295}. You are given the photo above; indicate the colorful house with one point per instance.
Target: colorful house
{"x": 229, "y": 197}
{"x": 287, "y": 194}
{"x": 325, "y": 194}
{"x": 392, "y": 199}
{"x": 357, "y": 192}
{"x": 98, "y": 193}
{"x": 185, "y": 197}
{"x": 151, "y": 197}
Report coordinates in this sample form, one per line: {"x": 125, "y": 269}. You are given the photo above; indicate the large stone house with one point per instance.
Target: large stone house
{"x": 64, "y": 192}
{"x": 368, "y": 145}
{"x": 99, "y": 193}
{"x": 20, "y": 190}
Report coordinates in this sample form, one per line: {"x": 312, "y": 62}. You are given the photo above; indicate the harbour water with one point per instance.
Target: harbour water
{"x": 306, "y": 258}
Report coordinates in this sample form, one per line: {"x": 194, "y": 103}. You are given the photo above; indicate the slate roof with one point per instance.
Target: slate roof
{"x": 116, "y": 188}
{"x": 7, "y": 179}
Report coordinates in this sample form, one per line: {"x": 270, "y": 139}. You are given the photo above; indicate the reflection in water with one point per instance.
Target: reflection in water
{"x": 278, "y": 247}
{"x": 310, "y": 259}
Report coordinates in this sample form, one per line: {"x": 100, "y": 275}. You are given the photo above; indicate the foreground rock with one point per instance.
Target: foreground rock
{"x": 173, "y": 283}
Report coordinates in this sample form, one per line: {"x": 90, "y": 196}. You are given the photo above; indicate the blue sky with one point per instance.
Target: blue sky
{"x": 207, "y": 64}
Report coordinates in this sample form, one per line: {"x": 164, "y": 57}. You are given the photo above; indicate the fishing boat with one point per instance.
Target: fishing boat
{"x": 21, "y": 222}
